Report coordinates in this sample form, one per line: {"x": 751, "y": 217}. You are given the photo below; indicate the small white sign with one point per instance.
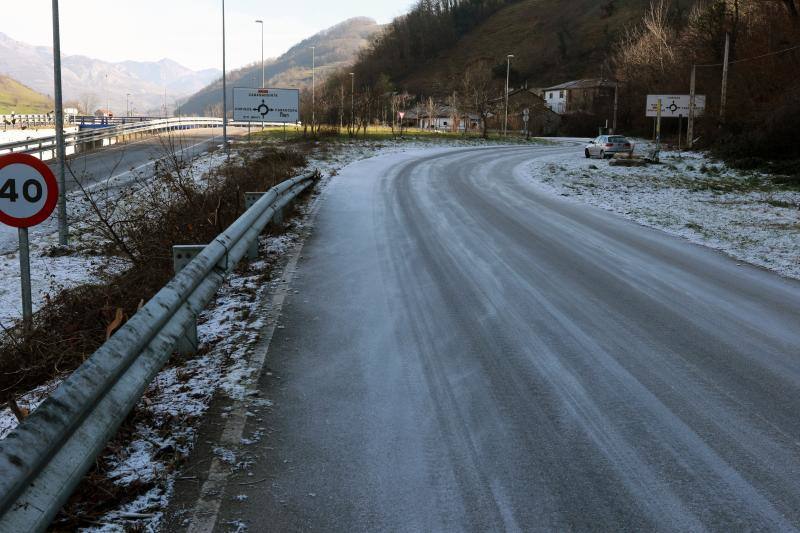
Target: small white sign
{"x": 266, "y": 105}
{"x": 675, "y": 105}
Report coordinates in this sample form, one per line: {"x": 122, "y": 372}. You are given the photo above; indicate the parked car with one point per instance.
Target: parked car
{"x": 606, "y": 146}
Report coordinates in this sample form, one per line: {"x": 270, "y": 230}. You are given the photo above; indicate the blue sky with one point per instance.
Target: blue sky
{"x": 188, "y": 31}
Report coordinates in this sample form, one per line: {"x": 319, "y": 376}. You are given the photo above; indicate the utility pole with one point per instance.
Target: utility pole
{"x": 313, "y": 90}
{"x": 616, "y": 107}
{"x": 341, "y": 109}
{"x": 509, "y": 57}
{"x": 352, "y": 103}
{"x": 63, "y": 227}
{"x": 692, "y": 98}
{"x": 224, "y": 88}
{"x": 724, "y": 98}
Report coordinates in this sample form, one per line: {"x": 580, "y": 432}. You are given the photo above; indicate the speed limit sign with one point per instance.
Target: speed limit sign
{"x": 28, "y": 195}
{"x": 28, "y": 191}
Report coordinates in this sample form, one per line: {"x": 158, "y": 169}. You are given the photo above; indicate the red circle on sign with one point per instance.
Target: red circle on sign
{"x": 52, "y": 190}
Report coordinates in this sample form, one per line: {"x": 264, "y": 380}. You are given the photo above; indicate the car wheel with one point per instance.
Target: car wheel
{"x": 588, "y": 155}
{"x": 602, "y": 155}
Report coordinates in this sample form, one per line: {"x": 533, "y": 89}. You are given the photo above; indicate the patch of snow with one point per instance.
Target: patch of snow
{"x": 28, "y": 402}
{"x": 689, "y": 195}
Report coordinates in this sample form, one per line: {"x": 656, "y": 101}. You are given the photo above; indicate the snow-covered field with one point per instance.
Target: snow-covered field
{"x": 689, "y": 195}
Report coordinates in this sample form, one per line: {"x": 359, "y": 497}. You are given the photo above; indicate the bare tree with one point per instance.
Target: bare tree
{"x": 88, "y": 101}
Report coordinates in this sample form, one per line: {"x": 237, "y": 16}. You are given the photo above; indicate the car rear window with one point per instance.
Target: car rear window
{"x": 617, "y": 139}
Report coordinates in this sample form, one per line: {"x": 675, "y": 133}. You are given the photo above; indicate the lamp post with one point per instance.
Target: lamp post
{"x": 63, "y": 228}
{"x": 263, "y": 81}
{"x": 127, "y": 105}
{"x": 224, "y": 87}
{"x": 352, "y": 102}
{"x": 509, "y": 57}
{"x": 313, "y": 89}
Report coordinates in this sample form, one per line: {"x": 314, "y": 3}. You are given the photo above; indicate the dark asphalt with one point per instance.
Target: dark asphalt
{"x": 468, "y": 354}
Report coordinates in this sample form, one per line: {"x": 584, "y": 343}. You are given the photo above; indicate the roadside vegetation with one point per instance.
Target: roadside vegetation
{"x": 139, "y": 227}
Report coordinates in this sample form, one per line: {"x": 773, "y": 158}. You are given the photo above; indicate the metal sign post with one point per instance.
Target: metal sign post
{"x": 25, "y": 277}
{"x": 61, "y": 153}
{"x": 28, "y": 196}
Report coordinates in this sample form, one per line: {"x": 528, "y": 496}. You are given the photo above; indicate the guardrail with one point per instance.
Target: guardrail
{"x": 34, "y": 120}
{"x": 44, "y": 459}
{"x": 44, "y": 147}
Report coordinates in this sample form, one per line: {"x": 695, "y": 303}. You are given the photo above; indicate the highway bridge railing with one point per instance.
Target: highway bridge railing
{"x": 47, "y": 455}
{"x": 45, "y": 147}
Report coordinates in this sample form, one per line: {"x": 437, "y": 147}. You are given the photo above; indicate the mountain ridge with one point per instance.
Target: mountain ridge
{"x": 336, "y": 47}
{"x": 101, "y": 83}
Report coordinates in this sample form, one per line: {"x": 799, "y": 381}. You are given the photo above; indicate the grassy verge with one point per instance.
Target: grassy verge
{"x": 385, "y": 134}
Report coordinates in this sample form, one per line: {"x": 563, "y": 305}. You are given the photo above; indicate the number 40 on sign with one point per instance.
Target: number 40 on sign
{"x": 28, "y": 196}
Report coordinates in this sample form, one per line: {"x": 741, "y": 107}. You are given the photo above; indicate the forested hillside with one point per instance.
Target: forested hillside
{"x": 455, "y": 51}
{"x": 428, "y": 50}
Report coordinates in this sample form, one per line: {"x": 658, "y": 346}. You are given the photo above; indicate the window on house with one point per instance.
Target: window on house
{"x": 561, "y": 94}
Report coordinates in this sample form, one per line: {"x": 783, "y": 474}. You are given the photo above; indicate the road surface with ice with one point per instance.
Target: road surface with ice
{"x": 466, "y": 352}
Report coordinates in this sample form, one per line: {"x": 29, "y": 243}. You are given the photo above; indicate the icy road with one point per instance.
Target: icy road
{"x": 465, "y": 352}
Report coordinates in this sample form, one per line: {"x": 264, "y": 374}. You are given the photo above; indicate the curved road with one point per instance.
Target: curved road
{"x": 466, "y": 353}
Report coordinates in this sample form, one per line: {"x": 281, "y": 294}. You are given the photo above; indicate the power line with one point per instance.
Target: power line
{"x": 752, "y": 58}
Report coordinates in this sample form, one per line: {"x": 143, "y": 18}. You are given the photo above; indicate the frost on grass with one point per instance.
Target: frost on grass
{"x": 691, "y": 196}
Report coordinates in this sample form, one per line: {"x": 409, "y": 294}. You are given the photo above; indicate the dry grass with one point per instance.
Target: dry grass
{"x": 71, "y": 326}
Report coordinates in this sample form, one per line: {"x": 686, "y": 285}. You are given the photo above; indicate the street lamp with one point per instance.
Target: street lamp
{"x": 263, "y": 81}
{"x": 224, "y": 88}
{"x": 127, "y": 105}
{"x": 352, "y": 102}
{"x": 509, "y": 57}
{"x": 63, "y": 228}
{"x": 313, "y": 89}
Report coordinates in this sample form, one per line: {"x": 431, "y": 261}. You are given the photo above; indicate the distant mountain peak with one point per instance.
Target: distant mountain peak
{"x": 336, "y": 47}
{"x": 91, "y": 79}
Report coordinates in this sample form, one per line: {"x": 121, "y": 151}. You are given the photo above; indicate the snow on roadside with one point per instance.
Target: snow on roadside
{"x": 180, "y": 395}
{"x": 16, "y": 135}
{"x": 51, "y": 273}
{"x": 688, "y": 195}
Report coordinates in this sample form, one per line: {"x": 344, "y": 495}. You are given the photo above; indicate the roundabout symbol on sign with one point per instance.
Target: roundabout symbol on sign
{"x": 263, "y": 109}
